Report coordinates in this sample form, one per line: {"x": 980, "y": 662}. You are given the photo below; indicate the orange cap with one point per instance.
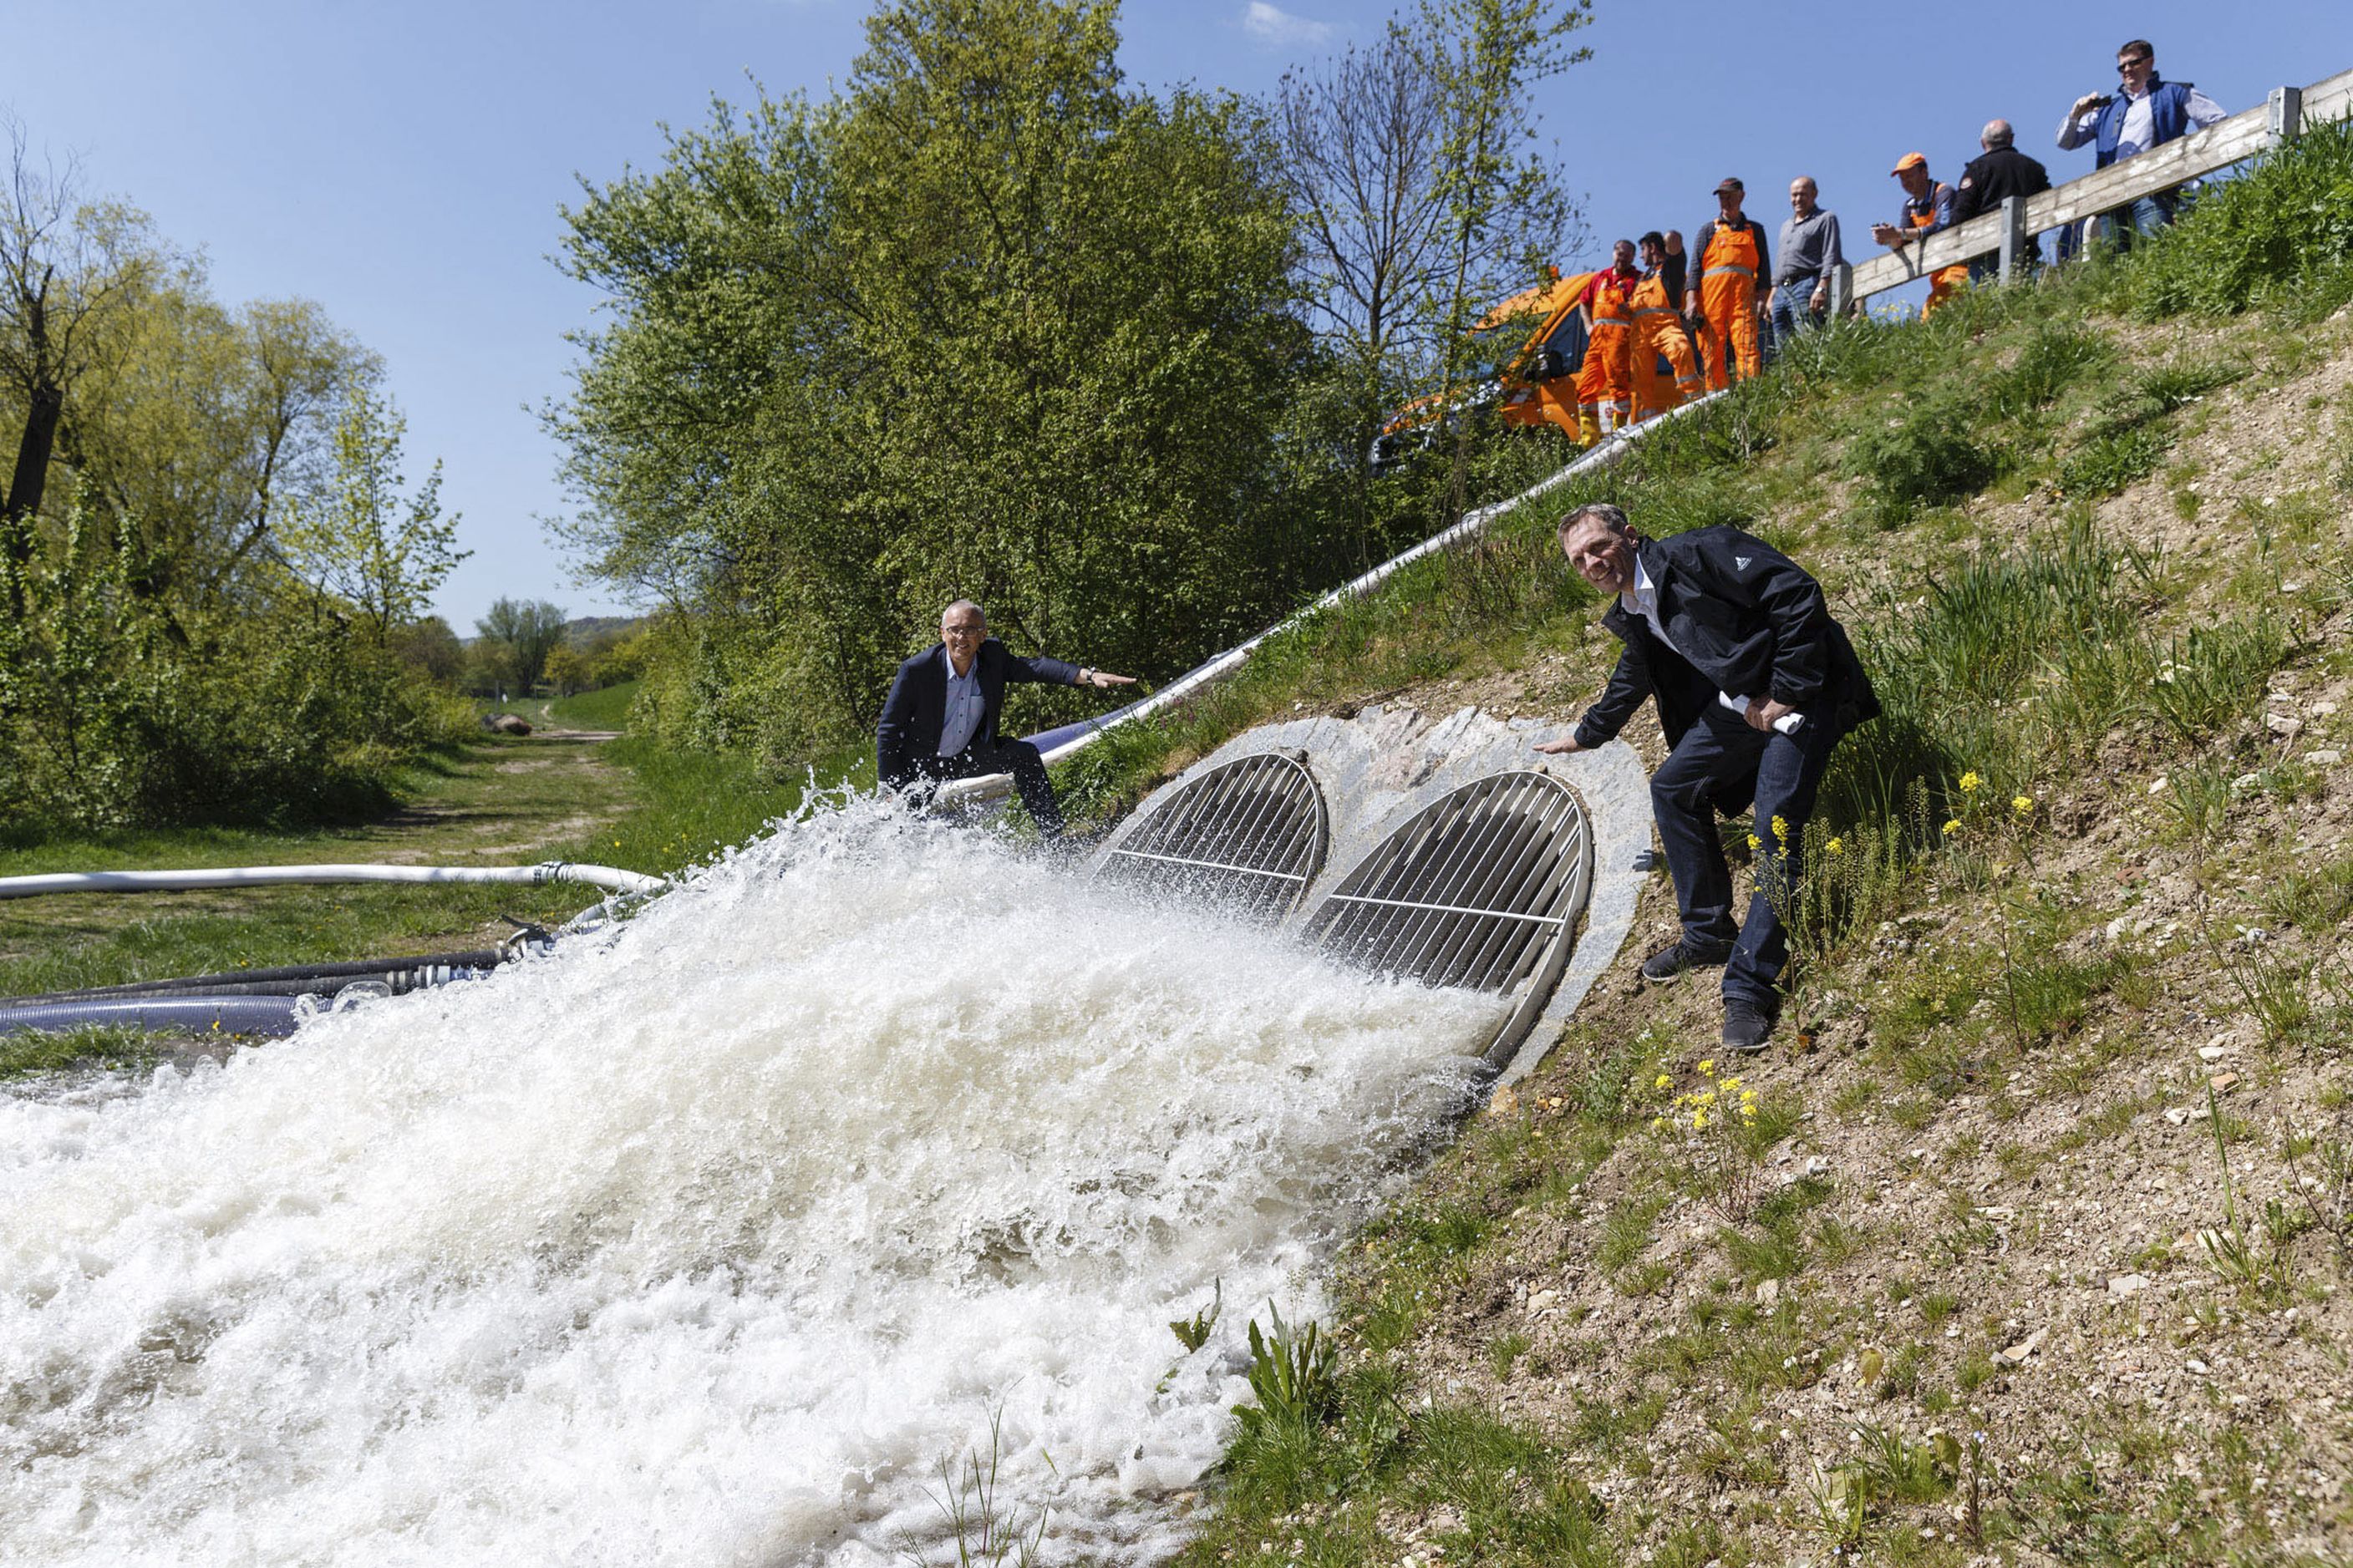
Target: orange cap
{"x": 1910, "y": 161}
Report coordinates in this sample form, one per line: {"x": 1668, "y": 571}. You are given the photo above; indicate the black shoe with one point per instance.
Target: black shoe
{"x": 1678, "y": 955}
{"x": 1747, "y": 1026}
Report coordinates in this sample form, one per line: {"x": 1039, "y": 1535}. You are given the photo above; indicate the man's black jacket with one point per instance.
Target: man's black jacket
{"x": 1989, "y": 181}
{"x": 918, "y": 704}
{"x": 1752, "y": 622}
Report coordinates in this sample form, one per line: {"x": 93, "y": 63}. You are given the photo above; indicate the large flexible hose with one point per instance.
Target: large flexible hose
{"x": 1069, "y": 740}
{"x": 401, "y": 974}
{"x": 608, "y": 876}
{"x": 185, "y": 1015}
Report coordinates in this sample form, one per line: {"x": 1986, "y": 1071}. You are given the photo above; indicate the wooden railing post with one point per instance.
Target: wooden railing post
{"x": 2014, "y": 238}
{"x": 1841, "y": 290}
{"x": 2283, "y": 114}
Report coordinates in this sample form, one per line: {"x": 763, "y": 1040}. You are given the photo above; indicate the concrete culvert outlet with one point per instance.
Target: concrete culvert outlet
{"x": 1247, "y": 834}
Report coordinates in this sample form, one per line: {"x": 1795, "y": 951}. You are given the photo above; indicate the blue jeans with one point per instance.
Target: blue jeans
{"x": 2142, "y": 218}
{"x": 1721, "y": 759}
{"x": 1793, "y": 309}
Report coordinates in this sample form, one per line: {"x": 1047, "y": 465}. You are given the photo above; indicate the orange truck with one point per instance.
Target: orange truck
{"x": 1524, "y": 360}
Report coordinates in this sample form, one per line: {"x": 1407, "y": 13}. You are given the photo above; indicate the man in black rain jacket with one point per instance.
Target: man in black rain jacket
{"x": 1754, "y": 683}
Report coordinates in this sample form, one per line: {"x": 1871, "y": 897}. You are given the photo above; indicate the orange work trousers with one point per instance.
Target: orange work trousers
{"x": 1727, "y": 303}
{"x": 1658, "y": 334}
{"x": 1605, "y": 383}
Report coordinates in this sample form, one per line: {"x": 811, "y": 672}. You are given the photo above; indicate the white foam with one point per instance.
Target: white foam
{"x": 705, "y": 1244}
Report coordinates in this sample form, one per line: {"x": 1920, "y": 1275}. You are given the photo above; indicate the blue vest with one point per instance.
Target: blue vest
{"x": 2169, "y": 114}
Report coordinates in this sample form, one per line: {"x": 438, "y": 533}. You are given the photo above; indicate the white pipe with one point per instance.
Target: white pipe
{"x": 990, "y": 786}
{"x": 271, "y": 876}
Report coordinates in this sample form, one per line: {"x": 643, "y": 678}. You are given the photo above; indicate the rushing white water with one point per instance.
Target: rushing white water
{"x": 706, "y": 1244}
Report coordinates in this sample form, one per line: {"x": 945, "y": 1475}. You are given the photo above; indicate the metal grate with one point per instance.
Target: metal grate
{"x": 1249, "y": 834}
{"x": 1475, "y": 891}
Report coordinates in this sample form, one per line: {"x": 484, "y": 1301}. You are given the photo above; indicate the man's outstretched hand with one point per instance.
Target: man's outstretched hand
{"x": 1103, "y": 677}
{"x": 1556, "y": 748}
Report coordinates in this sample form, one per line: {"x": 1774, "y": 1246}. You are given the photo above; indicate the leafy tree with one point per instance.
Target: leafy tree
{"x": 430, "y": 648}
{"x": 566, "y": 669}
{"x": 522, "y": 635}
{"x": 379, "y": 551}
{"x": 989, "y": 324}
{"x": 66, "y": 268}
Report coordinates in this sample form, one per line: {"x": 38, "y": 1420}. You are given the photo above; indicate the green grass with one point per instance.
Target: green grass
{"x": 625, "y": 803}
{"x": 606, "y": 709}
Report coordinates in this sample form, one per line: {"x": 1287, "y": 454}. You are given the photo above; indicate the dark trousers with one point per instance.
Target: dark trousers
{"x": 1019, "y": 758}
{"x": 1721, "y": 758}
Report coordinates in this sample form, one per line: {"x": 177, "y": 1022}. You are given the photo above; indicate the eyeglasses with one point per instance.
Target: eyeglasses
{"x": 2128, "y": 65}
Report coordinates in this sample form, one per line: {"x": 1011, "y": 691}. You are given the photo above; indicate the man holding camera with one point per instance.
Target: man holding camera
{"x": 2144, "y": 112}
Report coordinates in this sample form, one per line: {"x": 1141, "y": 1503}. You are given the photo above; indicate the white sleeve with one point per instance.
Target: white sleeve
{"x": 2202, "y": 111}
{"x": 2076, "y": 130}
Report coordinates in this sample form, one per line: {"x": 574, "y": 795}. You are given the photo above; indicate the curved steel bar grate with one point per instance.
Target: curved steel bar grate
{"x": 1477, "y": 891}
{"x": 1249, "y": 834}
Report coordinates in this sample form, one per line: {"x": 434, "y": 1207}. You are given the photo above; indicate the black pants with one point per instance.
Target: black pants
{"x": 1019, "y": 758}
{"x": 1720, "y": 758}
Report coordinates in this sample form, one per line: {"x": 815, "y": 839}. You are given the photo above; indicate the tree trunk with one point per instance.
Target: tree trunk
{"x": 32, "y": 476}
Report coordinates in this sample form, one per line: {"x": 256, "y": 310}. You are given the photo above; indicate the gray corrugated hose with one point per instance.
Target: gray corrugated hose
{"x": 608, "y": 876}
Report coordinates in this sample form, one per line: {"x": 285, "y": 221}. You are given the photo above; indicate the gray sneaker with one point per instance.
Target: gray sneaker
{"x": 1681, "y": 954}
{"x": 1747, "y": 1026}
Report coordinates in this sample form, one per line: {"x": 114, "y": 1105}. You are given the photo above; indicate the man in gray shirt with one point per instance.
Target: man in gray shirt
{"x": 1809, "y": 254}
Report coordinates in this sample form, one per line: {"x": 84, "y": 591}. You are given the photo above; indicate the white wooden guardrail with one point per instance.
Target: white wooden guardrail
{"x": 2006, "y": 232}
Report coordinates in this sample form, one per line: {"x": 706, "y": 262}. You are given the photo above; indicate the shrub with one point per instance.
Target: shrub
{"x": 2280, "y": 234}
{"x": 1927, "y": 456}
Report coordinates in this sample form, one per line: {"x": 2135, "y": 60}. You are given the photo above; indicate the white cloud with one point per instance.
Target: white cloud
{"x": 1273, "y": 25}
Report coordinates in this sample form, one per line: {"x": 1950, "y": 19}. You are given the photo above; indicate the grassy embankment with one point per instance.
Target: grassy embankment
{"x": 497, "y": 801}
{"x": 2031, "y": 1242}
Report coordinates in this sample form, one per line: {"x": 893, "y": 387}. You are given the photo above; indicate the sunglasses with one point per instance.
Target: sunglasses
{"x": 2128, "y": 65}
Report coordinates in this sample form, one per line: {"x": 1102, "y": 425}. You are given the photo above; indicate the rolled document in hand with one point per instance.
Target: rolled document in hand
{"x": 1788, "y": 723}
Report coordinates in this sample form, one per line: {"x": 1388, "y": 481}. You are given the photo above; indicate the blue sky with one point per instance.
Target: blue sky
{"x": 403, "y": 164}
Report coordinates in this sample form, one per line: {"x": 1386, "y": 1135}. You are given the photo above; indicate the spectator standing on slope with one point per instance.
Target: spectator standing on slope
{"x": 1809, "y": 254}
{"x": 1927, "y": 209}
{"x": 1728, "y": 296}
{"x": 2144, "y": 112}
{"x": 1999, "y": 173}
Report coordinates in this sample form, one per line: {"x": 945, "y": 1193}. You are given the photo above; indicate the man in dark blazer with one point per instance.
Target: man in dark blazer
{"x": 1754, "y": 684}
{"x": 940, "y": 719}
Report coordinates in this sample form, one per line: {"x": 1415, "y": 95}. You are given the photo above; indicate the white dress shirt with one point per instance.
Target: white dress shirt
{"x": 2134, "y": 135}
{"x": 964, "y": 708}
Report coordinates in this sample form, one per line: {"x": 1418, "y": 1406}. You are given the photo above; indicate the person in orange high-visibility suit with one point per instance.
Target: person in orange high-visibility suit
{"x": 1605, "y": 386}
{"x": 1927, "y": 209}
{"x": 1659, "y": 332}
{"x": 1727, "y": 296}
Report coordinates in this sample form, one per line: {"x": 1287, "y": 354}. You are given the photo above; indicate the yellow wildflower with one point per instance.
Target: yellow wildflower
{"x": 1658, "y": 1124}
{"x": 1707, "y": 1067}
{"x": 1836, "y": 846}
{"x": 2021, "y": 804}
{"x": 1664, "y": 1082}
{"x": 1755, "y": 842}
{"x": 1952, "y": 827}
{"x": 1780, "y": 830}
{"x": 1699, "y": 1120}
{"x": 1970, "y": 781}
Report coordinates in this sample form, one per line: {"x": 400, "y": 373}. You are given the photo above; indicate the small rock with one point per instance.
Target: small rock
{"x": 2125, "y": 1285}
{"x": 2282, "y": 724}
{"x": 1769, "y": 1292}
{"x": 2200, "y": 1367}
{"x": 2212, "y": 1053}
{"x": 2158, "y": 785}
{"x": 1817, "y": 1166}
{"x": 2323, "y": 708}
{"x": 2324, "y": 758}
{"x": 2175, "y": 1116}
{"x": 1542, "y": 1300}
{"x": 1505, "y": 1101}
{"x": 2223, "y": 1082}
{"x": 2016, "y": 1354}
